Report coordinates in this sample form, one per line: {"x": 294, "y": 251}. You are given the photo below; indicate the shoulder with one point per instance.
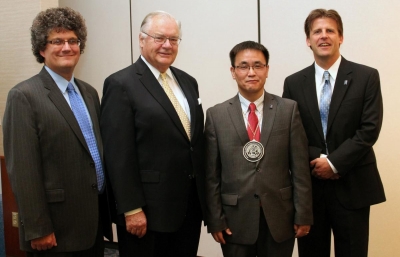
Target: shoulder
{"x": 300, "y": 74}
{"x": 224, "y": 104}
{"x": 282, "y": 102}
{"x": 182, "y": 74}
{"x": 357, "y": 66}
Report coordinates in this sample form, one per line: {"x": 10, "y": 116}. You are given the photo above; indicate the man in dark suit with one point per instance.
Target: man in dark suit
{"x": 54, "y": 152}
{"x": 152, "y": 128}
{"x": 258, "y": 186}
{"x": 342, "y": 115}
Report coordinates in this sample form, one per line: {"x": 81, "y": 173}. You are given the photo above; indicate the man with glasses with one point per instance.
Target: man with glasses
{"x": 258, "y": 188}
{"x": 152, "y": 128}
{"x": 53, "y": 148}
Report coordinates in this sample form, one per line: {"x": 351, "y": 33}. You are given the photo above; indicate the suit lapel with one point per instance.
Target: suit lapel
{"x": 236, "y": 115}
{"x": 192, "y": 101}
{"x": 342, "y": 83}
{"x": 269, "y": 112}
{"x": 309, "y": 89}
{"x": 59, "y": 101}
{"x": 153, "y": 86}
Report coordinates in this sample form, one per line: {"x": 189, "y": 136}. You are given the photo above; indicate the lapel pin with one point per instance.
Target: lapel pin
{"x": 345, "y": 82}
{"x": 271, "y": 106}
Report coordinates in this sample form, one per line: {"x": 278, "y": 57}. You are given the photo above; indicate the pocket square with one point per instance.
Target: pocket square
{"x": 199, "y": 100}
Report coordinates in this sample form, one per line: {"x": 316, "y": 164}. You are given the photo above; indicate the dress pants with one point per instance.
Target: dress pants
{"x": 181, "y": 243}
{"x": 350, "y": 228}
{"x": 265, "y": 245}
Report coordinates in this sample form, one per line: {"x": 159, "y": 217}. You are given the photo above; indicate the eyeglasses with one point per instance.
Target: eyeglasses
{"x": 161, "y": 39}
{"x": 246, "y": 68}
{"x": 61, "y": 42}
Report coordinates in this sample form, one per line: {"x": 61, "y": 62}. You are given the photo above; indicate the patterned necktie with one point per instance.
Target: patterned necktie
{"x": 325, "y": 102}
{"x": 253, "y": 130}
{"x": 179, "y": 110}
{"x": 79, "y": 110}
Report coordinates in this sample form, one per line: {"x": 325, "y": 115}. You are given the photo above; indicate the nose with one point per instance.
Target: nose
{"x": 66, "y": 46}
{"x": 251, "y": 71}
{"x": 167, "y": 44}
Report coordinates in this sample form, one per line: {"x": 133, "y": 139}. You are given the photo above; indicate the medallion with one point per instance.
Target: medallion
{"x": 253, "y": 151}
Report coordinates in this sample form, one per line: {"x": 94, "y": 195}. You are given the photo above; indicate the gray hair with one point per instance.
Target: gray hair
{"x": 146, "y": 23}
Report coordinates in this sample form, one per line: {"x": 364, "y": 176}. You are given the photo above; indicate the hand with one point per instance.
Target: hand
{"x": 136, "y": 224}
{"x": 44, "y": 242}
{"x": 321, "y": 168}
{"x": 219, "y": 236}
{"x": 301, "y": 230}
{"x": 335, "y": 176}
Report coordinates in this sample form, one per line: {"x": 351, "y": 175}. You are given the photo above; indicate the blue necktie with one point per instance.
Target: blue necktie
{"x": 79, "y": 110}
{"x": 325, "y": 102}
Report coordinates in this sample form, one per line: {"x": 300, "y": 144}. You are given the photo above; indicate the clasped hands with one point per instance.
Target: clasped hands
{"x": 299, "y": 230}
{"x": 322, "y": 170}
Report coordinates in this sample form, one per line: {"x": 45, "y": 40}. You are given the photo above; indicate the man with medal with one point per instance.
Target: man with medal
{"x": 258, "y": 187}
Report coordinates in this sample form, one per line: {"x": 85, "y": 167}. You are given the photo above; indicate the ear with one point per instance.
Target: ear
{"x": 308, "y": 42}
{"x": 141, "y": 40}
{"x": 233, "y": 73}
{"x": 267, "y": 70}
{"x": 341, "y": 40}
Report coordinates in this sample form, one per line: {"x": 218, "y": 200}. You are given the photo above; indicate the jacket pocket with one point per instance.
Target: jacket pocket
{"x": 150, "y": 176}
{"x": 286, "y": 193}
{"x": 55, "y": 195}
{"x": 229, "y": 199}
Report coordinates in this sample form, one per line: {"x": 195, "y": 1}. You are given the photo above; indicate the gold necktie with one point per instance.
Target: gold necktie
{"x": 179, "y": 110}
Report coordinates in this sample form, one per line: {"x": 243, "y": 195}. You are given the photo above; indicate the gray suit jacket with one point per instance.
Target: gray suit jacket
{"x": 235, "y": 187}
{"x": 49, "y": 164}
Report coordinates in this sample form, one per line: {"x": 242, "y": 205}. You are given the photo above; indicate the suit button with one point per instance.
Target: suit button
{"x": 92, "y": 164}
{"x": 191, "y": 149}
{"x": 256, "y": 196}
{"x": 94, "y": 186}
{"x": 190, "y": 176}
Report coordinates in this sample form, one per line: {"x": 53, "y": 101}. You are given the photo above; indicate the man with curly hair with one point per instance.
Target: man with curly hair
{"x": 53, "y": 148}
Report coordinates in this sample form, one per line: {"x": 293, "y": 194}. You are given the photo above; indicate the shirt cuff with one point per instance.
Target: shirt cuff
{"x": 133, "y": 212}
{"x": 330, "y": 164}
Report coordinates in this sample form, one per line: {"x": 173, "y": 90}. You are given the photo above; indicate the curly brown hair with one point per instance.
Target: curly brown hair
{"x": 57, "y": 19}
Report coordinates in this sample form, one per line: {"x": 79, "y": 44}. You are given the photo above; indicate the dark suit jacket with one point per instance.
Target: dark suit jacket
{"x": 49, "y": 164}
{"x": 235, "y": 187}
{"x": 148, "y": 155}
{"x": 354, "y": 123}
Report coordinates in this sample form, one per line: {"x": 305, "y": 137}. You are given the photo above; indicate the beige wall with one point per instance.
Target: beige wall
{"x": 17, "y": 62}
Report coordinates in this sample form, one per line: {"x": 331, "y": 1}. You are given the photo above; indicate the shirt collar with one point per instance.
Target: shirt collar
{"x": 61, "y": 82}
{"x": 245, "y": 103}
{"x": 153, "y": 70}
{"x": 333, "y": 70}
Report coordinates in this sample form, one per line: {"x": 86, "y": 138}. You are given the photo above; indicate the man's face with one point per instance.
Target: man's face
{"x": 63, "y": 58}
{"x": 324, "y": 40}
{"x": 160, "y": 55}
{"x": 250, "y": 81}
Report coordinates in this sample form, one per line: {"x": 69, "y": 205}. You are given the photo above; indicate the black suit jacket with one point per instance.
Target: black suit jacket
{"x": 354, "y": 123}
{"x": 148, "y": 155}
{"x": 50, "y": 167}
